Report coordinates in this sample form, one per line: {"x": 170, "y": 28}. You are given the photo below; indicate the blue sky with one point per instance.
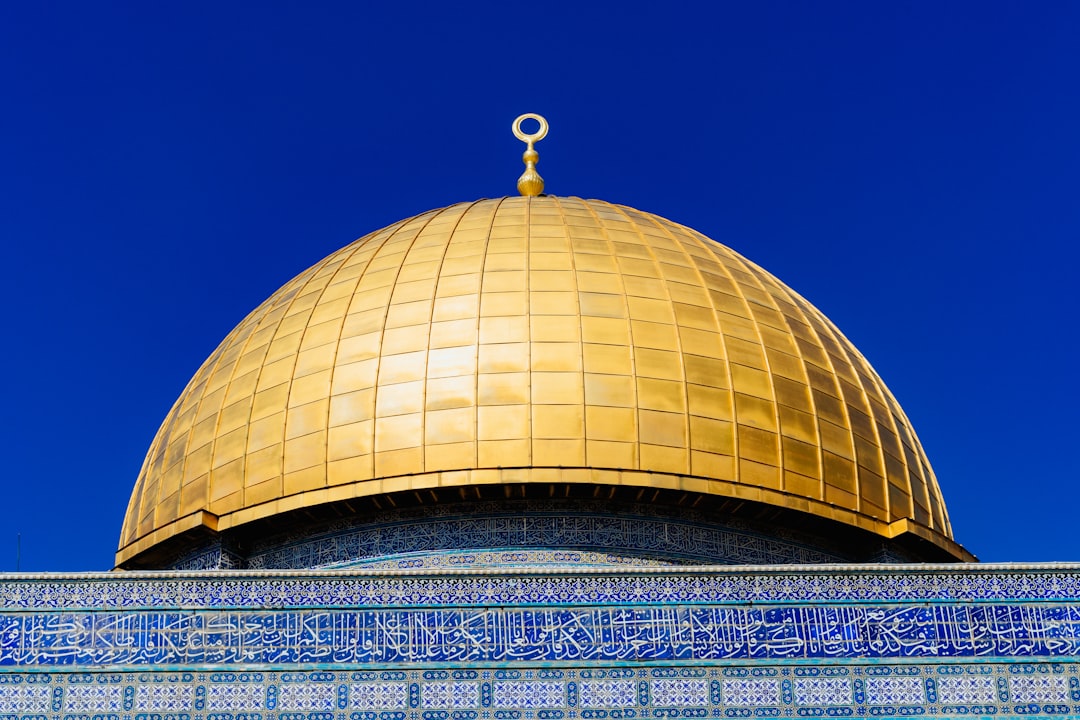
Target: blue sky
{"x": 910, "y": 168}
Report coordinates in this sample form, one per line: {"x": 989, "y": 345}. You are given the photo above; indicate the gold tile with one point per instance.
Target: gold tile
{"x": 801, "y": 457}
{"x": 402, "y": 368}
{"x": 567, "y": 453}
{"x": 713, "y": 436}
{"x": 408, "y": 339}
{"x": 453, "y": 332}
{"x": 450, "y": 426}
{"x": 556, "y": 329}
{"x": 602, "y": 304}
{"x": 557, "y": 388}
{"x": 547, "y": 287}
{"x": 661, "y": 458}
{"x": 558, "y": 421}
{"x": 654, "y": 335}
{"x": 399, "y": 462}
{"x": 710, "y": 402}
{"x": 304, "y": 452}
{"x": 610, "y": 423}
{"x": 304, "y": 480}
{"x": 661, "y": 364}
{"x": 357, "y": 348}
{"x": 762, "y": 475}
{"x": 798, "y": 424}
{"x": 263, "y": 465}
{"x": 504, "y": 453}
{"x": 495, "y": 330}
{"x": 266, "y": 431}
{"x": 349, "y": 470}
{"x": 555, "y": 357}
{"x": 700, "y": 342}
{"x": 395, "y": 433}
{"x": 352, "y": 406}
{"x": 707, "y": 464}
{"x": 662, "y": 428}
{"x": 502, "y": 422}
{"x": 451, "y": 361}
{"x": 449, "y": 456}
{"x": 399, "y": 398}
{"x": 607, "y": 331}
{"x": 504, "y": 357}
{"x": 758, "y": 445}
{"x": 667, "y": 395}
{"x": 606, "y": 454}
{"x": 502, "y": 388}
{"x": 410, "y": 303}
{"x": 610, "y": 390}
{"x": 305, "y": 419}
{"x": 504, "y": 303}
{"x": 707, "y": 371}
{"x": 451, "y": 392}
{"x": 352, "y": 440}
{"x": 756, "y": 412}
{"x": 609, "y": 359}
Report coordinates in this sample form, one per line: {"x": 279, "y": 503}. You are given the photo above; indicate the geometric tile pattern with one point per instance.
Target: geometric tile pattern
{"x": 543, "y": 644}
{"x": 680, "y": 692}
{"x": 382, "y": 587}
{"x": 822, "y": 691}
{"x": 538, "y": 693}
{"x": 752, "y": 692}
{"x": 608, "y": 693}
{"x": 895, "y": 691}
{"x": 967, "y": 690}
{"x": 1040, "y": 689}
{"x": 402, "y": 538}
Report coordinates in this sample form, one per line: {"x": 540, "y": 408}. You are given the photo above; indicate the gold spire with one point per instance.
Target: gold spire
{"x": 530, "y": 183}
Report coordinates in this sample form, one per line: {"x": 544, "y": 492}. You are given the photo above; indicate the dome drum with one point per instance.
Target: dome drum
{"x": 494, "y": 524}
{"x": 535, "y": 342}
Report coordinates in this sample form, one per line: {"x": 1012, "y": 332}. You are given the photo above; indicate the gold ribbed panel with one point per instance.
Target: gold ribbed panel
{"x": 534, "y": 333}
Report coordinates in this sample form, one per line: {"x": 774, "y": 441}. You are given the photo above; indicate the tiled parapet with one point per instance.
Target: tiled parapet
{"x": 548, "y": 643}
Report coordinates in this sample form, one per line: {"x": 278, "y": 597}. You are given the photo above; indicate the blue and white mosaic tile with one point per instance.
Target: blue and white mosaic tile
{"x": 994, "y": 690}
{"x": 381, "y": 588}
{"x": 527, "y": 634}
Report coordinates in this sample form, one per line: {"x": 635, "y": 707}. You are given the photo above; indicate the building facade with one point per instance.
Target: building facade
{"x": 538, "y": 457}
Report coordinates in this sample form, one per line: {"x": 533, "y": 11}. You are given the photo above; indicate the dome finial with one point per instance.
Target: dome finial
{"x": 530, "y": 183}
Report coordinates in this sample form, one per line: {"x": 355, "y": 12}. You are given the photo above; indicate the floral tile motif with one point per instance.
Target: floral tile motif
{"x": 1039, "y": 689}
{"x": 379, "y": 696}
{"x": 822, "y": 691}
{"x": 603, "y": 694}
{"x": 94, "y": 698}
{"x": 456, "y": 695}
{"x": 680, "y": 692}
{"x": 25, "y": 698}
{"x": 161, "y": 697}
{"x": 895, "y": 691}
{"x": 527, "y": 694}
{"x": 544, "y": 693}
{"x": 307, "y": 696}
{"x": 221, "y": 696}
{"x": 966, "y": 690}
{"x": 751, "y": 693}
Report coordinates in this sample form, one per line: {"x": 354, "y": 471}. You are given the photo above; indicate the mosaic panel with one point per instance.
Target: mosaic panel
{"x": 373, "y": 588}
{"x": 611, "y": 634}
{"x": 416, "y": 537}
{"x": 538, "y": 693}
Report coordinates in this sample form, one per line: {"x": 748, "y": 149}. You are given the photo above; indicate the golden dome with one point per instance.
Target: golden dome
{"x": 534, "y": 340}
